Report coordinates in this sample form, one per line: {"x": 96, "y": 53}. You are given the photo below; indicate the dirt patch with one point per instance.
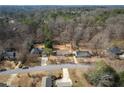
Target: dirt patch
{"x": 118, "y": 65}
{"x": 7, "y": 65}
{"x": 60, "y": 60}
{"x": 4, "y": 78}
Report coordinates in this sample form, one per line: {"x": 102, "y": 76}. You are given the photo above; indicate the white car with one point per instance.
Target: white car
{"x": 121, "y": 56}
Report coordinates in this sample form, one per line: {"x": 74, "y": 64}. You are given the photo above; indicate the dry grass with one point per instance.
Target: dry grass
{"x": 60, "y": 59}
{"x": 88, "y": 60}
{"x": 33, "y": 79}
{"x": 32, "y": 61}
{"x": 118, "y": 65}
{"x": 62, "y": 46}
{"x": 4, "y": 78}
{"x": 78, "y": 78}
{"x": 7, "y": 64}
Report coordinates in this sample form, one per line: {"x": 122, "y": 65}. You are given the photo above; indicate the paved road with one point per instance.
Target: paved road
{"x": 45, "y": 68}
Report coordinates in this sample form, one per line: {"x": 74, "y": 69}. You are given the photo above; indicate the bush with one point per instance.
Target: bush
{"x": 47, "y": 51}
{"x": 121, "y": 74}
{"x": 48, "y": 43}
{"x": 103, "y": 75}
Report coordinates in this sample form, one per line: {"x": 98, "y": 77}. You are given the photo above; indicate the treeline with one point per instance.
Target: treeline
{"x": 98, "y": 26}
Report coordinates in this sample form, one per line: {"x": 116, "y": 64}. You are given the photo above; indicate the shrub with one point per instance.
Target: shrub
{"x": 48, "y": 43}
{"x": 103, "y": 75}
{"x": 47, "y": 51}
{"x": 121, "y": 75}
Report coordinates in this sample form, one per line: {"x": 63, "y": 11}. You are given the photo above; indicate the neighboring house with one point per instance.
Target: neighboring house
{"x": 79, "y": 54}
{"x": 47, "y": 81}
{"x": 114, "y": 52}
{"x": 36, "y": 51}
{"x": 9, "y": 54}
{"x": 36, "y": 48}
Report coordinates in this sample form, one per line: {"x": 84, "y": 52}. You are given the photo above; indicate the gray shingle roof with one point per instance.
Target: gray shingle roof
{"x": 83, "y": 54}
{"x": 47, "y": 81}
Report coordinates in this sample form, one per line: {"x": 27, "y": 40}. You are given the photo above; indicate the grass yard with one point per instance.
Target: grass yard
{"x": 78, "y": 78}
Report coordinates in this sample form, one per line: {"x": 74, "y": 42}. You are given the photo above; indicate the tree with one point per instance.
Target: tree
{"x": 121, "y": 74}
{"x": 103, "y": 75}
{"x": 48, "y": 43}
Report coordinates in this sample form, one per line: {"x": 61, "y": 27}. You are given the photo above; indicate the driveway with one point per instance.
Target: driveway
{"x": 65, "y": 81}
{"x": 75, "y": 60}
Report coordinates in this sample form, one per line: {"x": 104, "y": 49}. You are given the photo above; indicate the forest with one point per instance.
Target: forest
{"x": 101, "y": 27}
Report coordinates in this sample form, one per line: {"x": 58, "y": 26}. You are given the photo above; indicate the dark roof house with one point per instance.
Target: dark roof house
{"x": 9, "y": 53}
{"x": 47, "y": 81}
{"x": 82, "y": 54}
{"x": 114, "y": 52}
{"x": 36, "y": 51}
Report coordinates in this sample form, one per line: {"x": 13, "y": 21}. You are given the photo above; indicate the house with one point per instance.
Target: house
{"x": 114, "y": 52}
{"x": 36, "y": 51}
{"x": 9, "y": 54}
{"x": 79, "y": 54}
{"x": 47, "y": 81}
{"x": 36, "y": 48}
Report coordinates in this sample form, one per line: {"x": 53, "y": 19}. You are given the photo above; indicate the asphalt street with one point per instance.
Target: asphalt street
{"x": 45, "y": 68}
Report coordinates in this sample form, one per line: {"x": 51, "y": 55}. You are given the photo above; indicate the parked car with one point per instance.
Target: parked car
{"x": 1, "y": 70}
{"x": 121, "y": 56}
{"x": 25, "y": 67}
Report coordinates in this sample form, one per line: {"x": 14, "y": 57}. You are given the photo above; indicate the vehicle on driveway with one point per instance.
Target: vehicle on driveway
{"x": 1, "y": 70}
{"x": 25, "y": 67}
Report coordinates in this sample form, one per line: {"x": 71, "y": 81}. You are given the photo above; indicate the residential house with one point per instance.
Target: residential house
{"x": 36, "y": 51}
{"x": 8, "y": 54}
{"x": 47, "y": 81}
{"x": 114, "y": 52}
{"x": 36, "y": 48}
{"x": 80, "y": 54}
